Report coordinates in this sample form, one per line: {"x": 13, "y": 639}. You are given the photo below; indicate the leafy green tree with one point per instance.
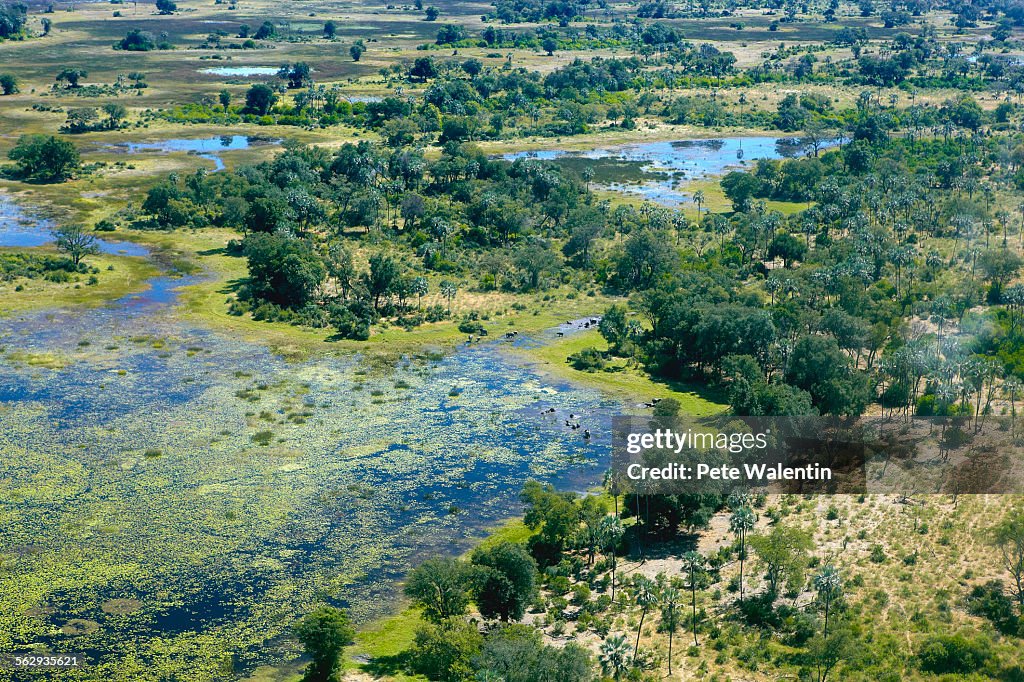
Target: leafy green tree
{"x": 72, "y": 77}
{"x": 783, "y": 552}
{"x": 614, "y": 327}
{"x": 647, "y": 256}
{"x": 440, "y": 588}
{"x": 828, "y": 651}
{"x": 555, "y": 517}
{"x": 166, "y": 6}
{"x": 506, "y": 580}
{"x": 432, "y": 13}
{"x": 297, "y": 75}
{"x": 13, "y": 18}
{"x": 8, "y": 84}
{"x": 324, "y": 633}
{"x": 1008, "y": 538}
{"x": 549, "y": 45}
{"x": 788, "y": 248}
{"x": 584, "y": 227}
{"x": 282, "y": 269}
{"x": 535, "y": 259}
{"x": 667, "y": 407}
{"x": 356, "y": 50}
{"x": 266, "y": 31}
{"x": 225, "y": 98}
{"x": 81, "y": 119}
{"x": 259, "y": 99}
{"x": 45, "y": 158}
{"x": 76, "y": 242}
{"x": 740, "y": 188}
{"x": 116, "y": 113}
{"x": 330, "y": 29}
{"x": 423, "y": 69}
{"x": 517, "y": 653}
{"x": 999, "y": 266}
{"x": 383, "y": 277}
{"x": 137, "y": 41}
{"x": 446, "y": 651}
{"x": 817, "y": 366}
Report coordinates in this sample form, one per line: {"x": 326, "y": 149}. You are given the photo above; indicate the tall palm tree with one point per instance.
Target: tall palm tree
{"x": 740, "y": 523}
{"x": 448, "y": 290}
{"x": 1012, "y": 385}
{"x": 610, "y": 532}
{"x": 694, "y": 565}
{"x": 699, "y": 198}
{"x": 646, "y": 596}
{"x": 671, "y": 614}
{"x": 829, "y": 586}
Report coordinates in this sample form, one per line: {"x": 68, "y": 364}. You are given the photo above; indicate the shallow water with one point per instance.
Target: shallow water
{"x": 242, "y": 70}
{"x": 206, "y": 147}
{"x": 133, "y": 473}
{"x": 18, "y": 230}
{"x": 657, "y": 171}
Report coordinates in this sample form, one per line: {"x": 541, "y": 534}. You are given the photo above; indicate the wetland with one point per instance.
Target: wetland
{"x": 315, "y": 317}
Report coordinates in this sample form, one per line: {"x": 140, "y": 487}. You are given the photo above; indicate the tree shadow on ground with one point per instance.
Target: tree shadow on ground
{"x": 389, "y": 666}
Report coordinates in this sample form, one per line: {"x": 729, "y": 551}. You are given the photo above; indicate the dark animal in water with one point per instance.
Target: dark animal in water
{"x": 586, "y": 434}
{"x": 561, "y": 334}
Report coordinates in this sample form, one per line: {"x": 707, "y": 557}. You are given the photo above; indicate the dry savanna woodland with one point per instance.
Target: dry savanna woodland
{"x": 314, "y": 317}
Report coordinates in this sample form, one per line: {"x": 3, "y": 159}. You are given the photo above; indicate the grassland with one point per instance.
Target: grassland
{"x": 118, "y": 276}
{"x": 626, "y": 382}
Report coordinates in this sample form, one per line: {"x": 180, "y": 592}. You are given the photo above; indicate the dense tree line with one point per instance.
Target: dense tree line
{"x": 305, "y": 213}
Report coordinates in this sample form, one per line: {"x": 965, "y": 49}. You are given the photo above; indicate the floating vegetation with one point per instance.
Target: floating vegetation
{"x": 157, "y": 565}
{"x": 44, "y": 360}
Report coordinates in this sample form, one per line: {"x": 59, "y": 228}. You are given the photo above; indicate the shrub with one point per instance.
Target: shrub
{"x": 942, "y": 654}
{"x": 472, "y": 327}
{"x": 667, "y": 407}
{"x": 990, "y": 601}
{"x": 263, "y": 437}
{"x": 587, "y": 360}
